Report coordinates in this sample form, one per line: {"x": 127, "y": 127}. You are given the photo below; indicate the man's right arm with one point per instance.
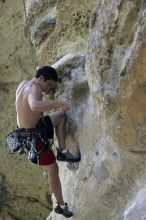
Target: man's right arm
{"x": 37, "y": 105}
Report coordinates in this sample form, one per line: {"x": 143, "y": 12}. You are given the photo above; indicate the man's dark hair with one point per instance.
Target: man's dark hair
{"x": 47, "y": 72}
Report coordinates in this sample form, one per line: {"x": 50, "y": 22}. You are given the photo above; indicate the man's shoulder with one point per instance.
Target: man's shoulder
{"x": 29, "y": 87}
{"x": 23, "y": 83}
{"x": 34, "y": 89}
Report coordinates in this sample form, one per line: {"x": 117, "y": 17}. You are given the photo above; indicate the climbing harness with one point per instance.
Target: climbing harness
{"x": 32, "y": 51}
{"x": 24, "y": 141}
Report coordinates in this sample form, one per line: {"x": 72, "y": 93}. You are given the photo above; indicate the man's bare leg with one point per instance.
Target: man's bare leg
{"x": 54, "y": 182}
{"x": 55, "y": 187}
{"x": 59, "y": 122}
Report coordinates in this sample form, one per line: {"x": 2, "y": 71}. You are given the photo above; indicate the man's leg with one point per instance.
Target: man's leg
{"x": 54, "y": 182}
{"x": 55, "y": 187}
{"x": 59, "y": 122}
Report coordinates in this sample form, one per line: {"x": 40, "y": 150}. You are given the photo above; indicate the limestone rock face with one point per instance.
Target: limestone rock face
{"x": 58, "y": 27}
{"x": 111, "y": 139}
{"x": 137, "y": 209}
{"x": 99, "y": 51}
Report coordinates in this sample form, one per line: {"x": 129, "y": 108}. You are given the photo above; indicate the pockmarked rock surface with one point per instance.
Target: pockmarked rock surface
{"x": 58, "y": 27}
{"x": 112, "y": 138}
{"x": 99, "y": 51}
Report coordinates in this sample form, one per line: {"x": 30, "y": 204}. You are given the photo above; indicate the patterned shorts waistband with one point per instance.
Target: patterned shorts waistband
{"x": 28, "y": 131}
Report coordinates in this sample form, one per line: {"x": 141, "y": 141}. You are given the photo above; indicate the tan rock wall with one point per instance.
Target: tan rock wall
{"x": 58, "y": 27}
{"x": 109, "y": 174}
{"x": 107, "y": 118}
{"x": 117, "y": 77}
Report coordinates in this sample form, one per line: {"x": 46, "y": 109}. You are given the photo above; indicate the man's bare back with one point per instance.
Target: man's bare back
{"x": 26, "y": 118}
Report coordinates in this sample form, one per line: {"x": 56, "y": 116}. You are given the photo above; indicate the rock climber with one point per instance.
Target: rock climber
{"x": 30, "y": 108}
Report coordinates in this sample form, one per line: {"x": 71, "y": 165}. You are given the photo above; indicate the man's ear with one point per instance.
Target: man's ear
{"x": 41, "y": 77}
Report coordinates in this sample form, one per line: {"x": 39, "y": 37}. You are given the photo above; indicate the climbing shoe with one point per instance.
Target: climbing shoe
{"x": 63, "y": 211}
{"x": 66, "y": 156}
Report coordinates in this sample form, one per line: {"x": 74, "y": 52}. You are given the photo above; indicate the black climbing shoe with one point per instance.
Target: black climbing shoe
{"x": 66, "y": 156}
{"x": 64, "y": 211}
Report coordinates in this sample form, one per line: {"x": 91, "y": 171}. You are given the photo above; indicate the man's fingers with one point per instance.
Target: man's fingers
{"x": 67, "y": 105}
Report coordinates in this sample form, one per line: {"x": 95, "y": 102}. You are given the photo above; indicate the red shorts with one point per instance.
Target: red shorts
{"x": 47, "y": 157}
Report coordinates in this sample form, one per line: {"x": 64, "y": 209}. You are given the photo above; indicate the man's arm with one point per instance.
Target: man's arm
{"x": 38, "y": 105}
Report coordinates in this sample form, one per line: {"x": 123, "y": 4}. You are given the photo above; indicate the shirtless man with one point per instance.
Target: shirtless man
{"x": 29, "y": 108}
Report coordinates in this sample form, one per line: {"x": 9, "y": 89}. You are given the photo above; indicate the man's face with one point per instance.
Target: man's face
{"x": 49, "y": 84}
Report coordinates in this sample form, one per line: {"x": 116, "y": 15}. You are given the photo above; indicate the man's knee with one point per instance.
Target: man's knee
{"x": 57, "y": 118}
{"x": 62, "y": 115}
{"x": 52, "y": 169}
